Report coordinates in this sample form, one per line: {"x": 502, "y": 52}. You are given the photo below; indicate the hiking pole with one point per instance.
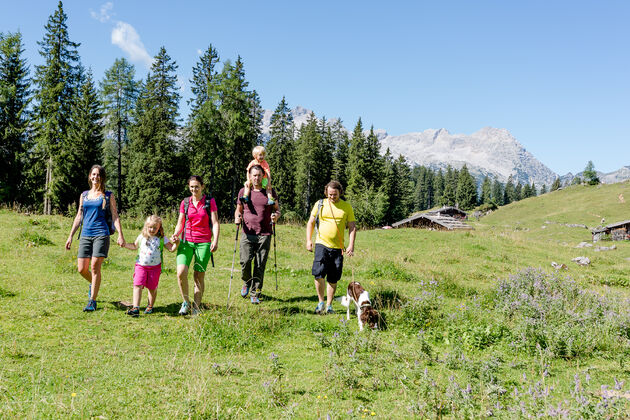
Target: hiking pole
{"x": 232, "y": 271}
{"x": 275, "y": 260}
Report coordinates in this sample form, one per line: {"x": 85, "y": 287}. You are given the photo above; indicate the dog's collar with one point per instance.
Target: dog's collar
{"x": 365, "y": 304}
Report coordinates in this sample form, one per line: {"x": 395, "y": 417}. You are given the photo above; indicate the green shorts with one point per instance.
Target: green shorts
{"x": 201, "y": 252}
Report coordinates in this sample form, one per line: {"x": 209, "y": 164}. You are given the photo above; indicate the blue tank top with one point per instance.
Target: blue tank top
{"x": 94, "y": 223}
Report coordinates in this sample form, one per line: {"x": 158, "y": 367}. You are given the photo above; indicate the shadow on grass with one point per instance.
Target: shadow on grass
{"x": 312, "y": 298}
{"x": 6, "y": 293}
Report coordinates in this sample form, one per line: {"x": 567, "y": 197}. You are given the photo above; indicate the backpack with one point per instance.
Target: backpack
{"x": 108, "y": 212}
{"x": 206, "y": 206}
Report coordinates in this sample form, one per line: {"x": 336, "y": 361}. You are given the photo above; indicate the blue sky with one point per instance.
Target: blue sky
{"x": 554, "y": 73}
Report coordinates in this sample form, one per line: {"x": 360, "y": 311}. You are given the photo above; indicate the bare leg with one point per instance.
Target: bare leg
{"x": 152, "y": 296}
{"x": 96, "y": 263}
{"x": 332, "y": 287}
{"x": 321, "y": 289}
{"x": 137, "y": 296}
{"x": 199, "y": 287}
{"x": 182, "y": 278}
{"x": 83, "y": 266}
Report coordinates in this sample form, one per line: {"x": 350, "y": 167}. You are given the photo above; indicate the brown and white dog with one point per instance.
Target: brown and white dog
{"x": 361, "y": 298}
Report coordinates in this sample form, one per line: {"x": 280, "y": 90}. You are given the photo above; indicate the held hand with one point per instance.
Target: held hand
{"x": 174, "y": 238}
{"x": 121, "y": 241}
{"x": 69, "y": 243}
{"x": 309, "y": 246}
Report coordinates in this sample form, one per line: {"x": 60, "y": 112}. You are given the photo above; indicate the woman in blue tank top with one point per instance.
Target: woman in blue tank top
{"x": 94, "y": 241}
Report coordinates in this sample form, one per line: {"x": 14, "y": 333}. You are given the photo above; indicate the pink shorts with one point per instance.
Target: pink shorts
{"x": 147, "y": 276}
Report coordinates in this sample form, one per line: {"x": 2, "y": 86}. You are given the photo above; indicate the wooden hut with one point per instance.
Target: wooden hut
{"x": 432, "y": 222}
{"x": 619, "y": 231}
{"x": 449, "y": 211}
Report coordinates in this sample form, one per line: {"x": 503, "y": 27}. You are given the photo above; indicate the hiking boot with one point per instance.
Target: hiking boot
{"x": 245, "y": 290}
{"x": 185, "y": 308}
{"x": 255, "y": 300}
{"x": 320, "y": 308}
{"x": 90, "y": 307}
{"x": 134, "y": 312}
{"x": 196, "y": 311}
{"x": 148, "y": 310}
{"x": 330, "y": 310}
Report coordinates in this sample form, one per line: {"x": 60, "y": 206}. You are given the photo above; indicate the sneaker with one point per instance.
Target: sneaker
{"x": 330, "y": 310}
{"x": 245, "y": 290}
{"x": 270, "y": 202}
{"x": 196, "y": 311}
{"x": 255, "y": 300}
{"x": 134, "y": 312}
{"x": 184, "y": 309}
{"x": 90, "y": 307}
{"x": 148, "y": 310}
{"x": 320, "y": 308}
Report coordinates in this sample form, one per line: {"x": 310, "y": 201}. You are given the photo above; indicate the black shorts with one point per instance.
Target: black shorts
{"x": 328, "y": 263}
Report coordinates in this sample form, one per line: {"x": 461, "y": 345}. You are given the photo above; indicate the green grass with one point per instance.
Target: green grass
{"x": 436, "y": 290}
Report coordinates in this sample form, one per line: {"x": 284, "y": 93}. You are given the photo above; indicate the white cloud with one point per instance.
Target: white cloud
{"x": 127, "y": 39}
{"x": 104, "y": 14}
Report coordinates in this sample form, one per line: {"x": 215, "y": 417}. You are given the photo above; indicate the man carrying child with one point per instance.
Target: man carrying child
{"x": 257, "y": 216}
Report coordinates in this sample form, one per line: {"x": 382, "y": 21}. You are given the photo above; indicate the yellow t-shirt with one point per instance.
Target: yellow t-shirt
{"x": 328, "y": 234}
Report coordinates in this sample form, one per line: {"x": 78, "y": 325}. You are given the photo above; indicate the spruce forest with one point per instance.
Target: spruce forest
{"x": 57, "y": 121}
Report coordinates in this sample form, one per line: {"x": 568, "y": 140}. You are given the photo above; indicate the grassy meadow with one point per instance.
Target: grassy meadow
{"x": 478, "y": 324}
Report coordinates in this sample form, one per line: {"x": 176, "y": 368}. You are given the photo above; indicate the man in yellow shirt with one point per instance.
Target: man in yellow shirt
{"x": 334, "y": 216}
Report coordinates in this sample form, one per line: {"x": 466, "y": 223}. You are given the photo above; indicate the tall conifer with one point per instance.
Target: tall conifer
{"x": 57, "y": 81}
{"x": 118, "y": 94}
{"x": 281, "y": 153}
{"x": 14, "y": 99}
{"x": 154, "y": 181}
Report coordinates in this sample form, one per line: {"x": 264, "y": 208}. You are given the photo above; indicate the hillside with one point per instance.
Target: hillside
{"x": 465, "y": 326}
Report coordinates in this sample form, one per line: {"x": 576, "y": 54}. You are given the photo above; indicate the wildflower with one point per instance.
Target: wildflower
{"x": 325, "y": 396}
{"x": 74, "y": 394}
{"x": 372, "y": 413}
{"x": 319, "y": 397}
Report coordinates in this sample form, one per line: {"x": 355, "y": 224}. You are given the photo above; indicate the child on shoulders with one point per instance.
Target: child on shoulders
{"x": 259, "y": 159}
{"x": 150, "y": 244}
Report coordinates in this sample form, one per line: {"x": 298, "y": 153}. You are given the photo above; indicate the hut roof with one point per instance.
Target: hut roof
{"x": 611, "y": 226}
{"x": 449, "y": 223}
{"x": 448, "y": 209}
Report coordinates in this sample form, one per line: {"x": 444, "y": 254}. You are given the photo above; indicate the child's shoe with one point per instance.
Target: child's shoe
{"x": 245, "y": 290}
{"x": 134, "y": 312}
{"x": 255, "y": 300}
{"x": 270, "y": 202}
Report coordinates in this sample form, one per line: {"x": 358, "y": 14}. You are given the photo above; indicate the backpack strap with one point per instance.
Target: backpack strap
{"x": 320, "y": 203}
{"x": 84, "y": 195}
{"x": 186, "y": 204}
{"x": 162, "y": 251}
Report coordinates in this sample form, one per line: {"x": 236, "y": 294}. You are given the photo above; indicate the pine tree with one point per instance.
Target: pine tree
{"x": 401, "y": 199}
{"x": 497, "y": 193}
{"x": 372, "y": 160}
{"x": 14, "y": 116}
{"x": 438, "y": 188}
{"x": 526, "y": 192}
{"x": 206, "y": 150}
{"x": 466, "y": 192}
{"x": 342, "y": 150}
{"x": 118, "y": 94}
{"x": 509, "y": 193}
{"x": 57, "y": 81}
{"x": 518, "y": 192}
{"x": 532, "y": 190}
{"x": 154, "y": 180}
{"x": 241, "y": 115}
{"x": 486, "y": 191}
{"x": 556, "y": 184}
{"x": 83, "y": 147}
{"x": 543, "y": 189}
{"x": 449, "y": 197}
{"x": 589, "y": 174}
{"x": 357, "y": 168}
{"x": 281, "y": 152}
{"x": 308, "y": 175}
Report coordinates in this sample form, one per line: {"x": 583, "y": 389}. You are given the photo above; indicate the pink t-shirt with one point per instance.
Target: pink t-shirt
{"x": 264, "y": 165}
{"x": 198, "y": 224}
